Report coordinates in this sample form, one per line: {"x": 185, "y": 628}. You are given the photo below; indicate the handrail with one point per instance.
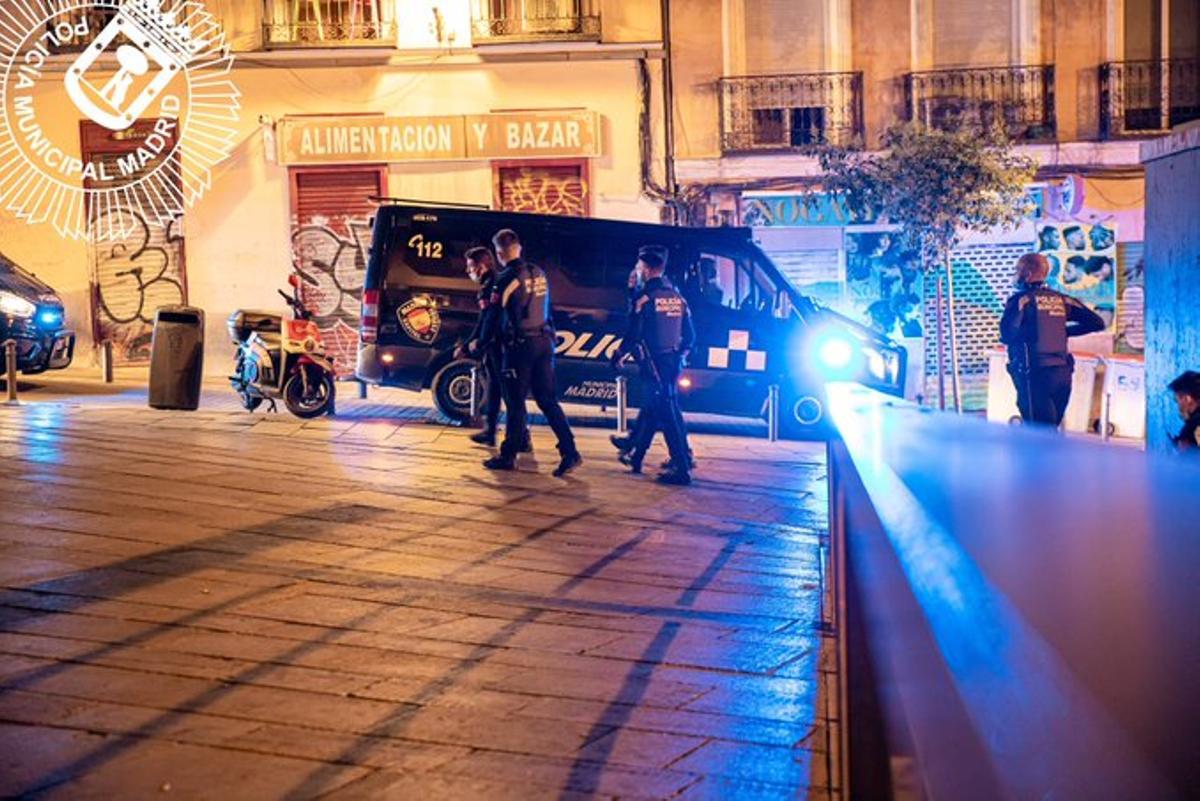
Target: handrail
{"x": 1020, "y": 609}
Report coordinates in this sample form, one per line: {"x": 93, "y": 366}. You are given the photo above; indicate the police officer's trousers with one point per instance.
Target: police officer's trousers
{"x": 663, "y": 413}
{"x": 492, "y": 365}
{"x": 1042, "y": 393}
{"x": 529, "y": 367}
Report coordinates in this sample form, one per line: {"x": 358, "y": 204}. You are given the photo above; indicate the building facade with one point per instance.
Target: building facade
{"x": 1076, "y": 84}
{"x": 517, "y": 104}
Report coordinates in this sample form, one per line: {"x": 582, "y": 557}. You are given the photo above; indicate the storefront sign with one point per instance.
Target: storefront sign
{"x": 371, "y": 139}
{"x": 794, "y": 211}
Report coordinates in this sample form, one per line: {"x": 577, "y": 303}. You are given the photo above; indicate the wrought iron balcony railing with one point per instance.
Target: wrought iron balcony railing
{"x": 329, "y": 23}
{"x": 1016, "y": 100}
{"x": 510, "y": 21}
{"x": 790, "y": 112}
{"x": 1145, "y": 97}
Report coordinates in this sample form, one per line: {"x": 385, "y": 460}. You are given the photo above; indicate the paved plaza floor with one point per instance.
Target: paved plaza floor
{"x": 223, "y": 605}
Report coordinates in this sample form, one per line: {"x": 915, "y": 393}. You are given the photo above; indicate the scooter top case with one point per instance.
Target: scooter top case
{"x": 244, "y": 322}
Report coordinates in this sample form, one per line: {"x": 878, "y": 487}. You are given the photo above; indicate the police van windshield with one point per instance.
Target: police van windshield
{"x": 743, "y": 281}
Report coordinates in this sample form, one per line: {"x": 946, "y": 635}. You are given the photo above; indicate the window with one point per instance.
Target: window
{"x": 782, "y": 36}
{"x": 972, "y": 33}
{"x": 325, "y": 23}
{"x": 532, "y": 20}
{"x": 733, "y": 283}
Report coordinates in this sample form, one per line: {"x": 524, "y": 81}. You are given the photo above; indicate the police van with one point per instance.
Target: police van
{"x": 753, "y": 329}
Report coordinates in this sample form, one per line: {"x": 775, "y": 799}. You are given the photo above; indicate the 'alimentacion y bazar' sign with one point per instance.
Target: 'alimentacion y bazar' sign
{"x": 381, "y": 139}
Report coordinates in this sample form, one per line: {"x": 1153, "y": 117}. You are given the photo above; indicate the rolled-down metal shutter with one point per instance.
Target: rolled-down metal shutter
{"x": 338, "y": 193}
{"x": 543, "y": 188}
{"x": 331, "y": 237}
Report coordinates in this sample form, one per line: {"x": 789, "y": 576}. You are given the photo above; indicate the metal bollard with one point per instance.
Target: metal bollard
{"x": 106, "y": 360}
{"x": 10, "y": 371}
{"x": 773, "y": 413}
{"x": 1105, "y": 416}
{"x": 622, "y": 404}
{"x": 474, "y": 393}
{"x": 362, "y": 390}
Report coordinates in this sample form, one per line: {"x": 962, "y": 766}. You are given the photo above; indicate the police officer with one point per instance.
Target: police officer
{"x": 625, "y": 444}
{"x": 522, "y": 295}
{"x": 484, "y": 343}
{"x": 1187, "y": 398}
{"x": 661, "y": 333}
{"x": 1035, "y": 326}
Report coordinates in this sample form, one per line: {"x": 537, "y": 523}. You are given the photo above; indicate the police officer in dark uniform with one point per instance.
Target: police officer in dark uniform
{"x": 481, "y": 270}
{"x": 1035, "y": 326}
{"x": 1187, "y": 398}
{"x": 660, "y": 333}
{"x": 522, "y": 295}
{"x": 625, "y": 444}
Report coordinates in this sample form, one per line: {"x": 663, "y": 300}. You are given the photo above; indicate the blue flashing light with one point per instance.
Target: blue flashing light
{"x": 50, "y": 318}
{"x": 836, "y": 353}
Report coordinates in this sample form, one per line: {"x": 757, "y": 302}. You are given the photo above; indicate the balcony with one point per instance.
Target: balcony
{"x": 516, "y": 21}
{"x": 91, "y": 20}
{"x": 1018, "y": 101}
{"x": 329, "y": 23}
{"x": 1138, "y": 98}
{"x": 794, "y": 112}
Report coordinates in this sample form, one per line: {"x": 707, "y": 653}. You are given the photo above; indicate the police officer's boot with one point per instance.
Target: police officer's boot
{"x": 676, "y": 477}
{"x": 569, "y": 462}
{"x": 484, "y": 437}
{"x": 669, "y": 464}
{"x": 500, "y": 462}
{"x": 622, "y": 444}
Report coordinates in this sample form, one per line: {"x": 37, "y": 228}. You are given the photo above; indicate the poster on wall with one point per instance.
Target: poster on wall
{"x": 883, "y": 284}
{"x": 1083, "y": 263}
{"x": 816, "y": 273}
{"x": 1131, "y": 306}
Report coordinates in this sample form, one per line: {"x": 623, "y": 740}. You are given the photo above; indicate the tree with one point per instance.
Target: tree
{"x": 933, "y": 185}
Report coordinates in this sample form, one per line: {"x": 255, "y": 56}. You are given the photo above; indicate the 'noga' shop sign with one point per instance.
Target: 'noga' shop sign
{"x": 376, "y": 139}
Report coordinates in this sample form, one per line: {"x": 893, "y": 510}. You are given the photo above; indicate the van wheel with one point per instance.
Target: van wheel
{"x": 452, "y": 390}
{"x": 803, "y": 416}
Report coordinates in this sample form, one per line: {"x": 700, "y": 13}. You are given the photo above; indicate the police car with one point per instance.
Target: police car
{"x": 753, "y": 329}
{"x": 31, "y": 314}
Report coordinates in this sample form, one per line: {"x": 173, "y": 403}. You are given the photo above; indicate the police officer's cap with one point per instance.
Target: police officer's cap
{"x": 653, "y": 255}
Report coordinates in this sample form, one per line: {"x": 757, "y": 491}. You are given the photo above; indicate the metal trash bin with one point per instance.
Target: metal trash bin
{"x": 177, "y": 358}
{"x": 1002, "y": 395}
{"x": 1125, "y": 386}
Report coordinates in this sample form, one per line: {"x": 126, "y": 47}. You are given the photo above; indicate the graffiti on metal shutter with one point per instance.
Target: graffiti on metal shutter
{"x": 133, "y": 276}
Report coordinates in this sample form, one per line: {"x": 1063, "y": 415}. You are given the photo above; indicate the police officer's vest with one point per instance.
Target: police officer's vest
{"x": 1187, "y": 435}
{"x": 527, "y": 311}
{"x": 663, "y": 309}
{"x": 1043, "y": 332}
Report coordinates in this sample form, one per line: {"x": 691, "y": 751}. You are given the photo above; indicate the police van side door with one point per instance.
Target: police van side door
{"x": 736, "y": 350}
{"x": 589, "y": 317}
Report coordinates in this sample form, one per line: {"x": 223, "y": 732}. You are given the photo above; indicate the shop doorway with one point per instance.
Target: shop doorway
{"x": 331, "y": 238}
{"x": 132, "y": 275}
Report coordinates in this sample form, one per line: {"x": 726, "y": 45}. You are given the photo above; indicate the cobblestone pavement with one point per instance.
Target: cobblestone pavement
{"x": 219, "y": 605}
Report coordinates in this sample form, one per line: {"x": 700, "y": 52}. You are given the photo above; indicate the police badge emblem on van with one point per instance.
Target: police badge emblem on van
{"x": 420, "y": 319}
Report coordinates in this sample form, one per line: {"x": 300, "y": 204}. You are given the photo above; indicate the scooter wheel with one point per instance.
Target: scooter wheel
{"x": 318, "y": 399}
